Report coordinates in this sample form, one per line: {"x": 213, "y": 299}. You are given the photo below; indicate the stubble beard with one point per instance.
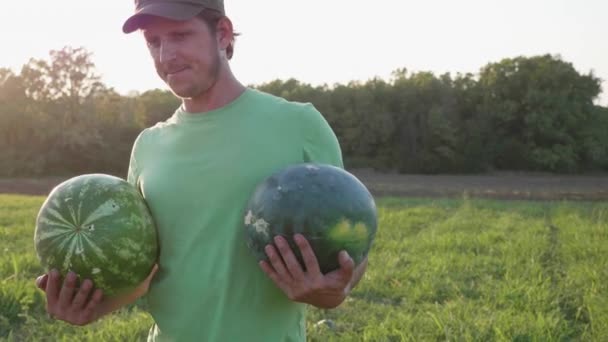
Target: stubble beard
{"x": 201, "y": 85}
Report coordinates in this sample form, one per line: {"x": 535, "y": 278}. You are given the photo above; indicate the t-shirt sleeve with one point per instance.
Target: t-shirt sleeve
{"x": 320, "y": 142}
{"x": 134, "y": 171}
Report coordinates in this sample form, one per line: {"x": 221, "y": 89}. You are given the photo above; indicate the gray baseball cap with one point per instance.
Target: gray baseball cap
{"x": 170, "y": 9}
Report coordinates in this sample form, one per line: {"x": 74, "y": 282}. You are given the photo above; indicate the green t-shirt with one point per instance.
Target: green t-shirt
{"x": 196, "y": 172}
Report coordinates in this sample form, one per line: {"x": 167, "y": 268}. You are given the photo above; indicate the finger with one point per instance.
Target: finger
{"x": 153, "y": 272}
{"x": 271, "y": 273}
{"x": 89, "y": 310}
{"x": 146, "y": 282}
{"x": 277, "y": 262}
{"x": 310, "y": 259}
{"x": 82, "y": 295}
{"x": 291, "y": 263}
{"x": 362, "y": 264}
{"x": 42, "y": 281}
{"x": 347, "y": 265}
{"x": 52, "y": 288}
{"x": 67, "y": 290}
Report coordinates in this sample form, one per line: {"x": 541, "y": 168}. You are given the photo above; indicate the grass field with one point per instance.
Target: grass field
{"x": 457, "y": 270}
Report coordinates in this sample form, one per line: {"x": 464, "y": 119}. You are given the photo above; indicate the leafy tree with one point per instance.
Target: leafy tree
{"x": 527, "y": 113}
{"x": 537, "y": 107}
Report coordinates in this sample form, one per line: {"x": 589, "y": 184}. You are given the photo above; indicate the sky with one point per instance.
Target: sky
{"x": 325, "y": 41}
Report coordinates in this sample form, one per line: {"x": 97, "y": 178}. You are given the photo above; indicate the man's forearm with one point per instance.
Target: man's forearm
{"x": 109, "y": 305}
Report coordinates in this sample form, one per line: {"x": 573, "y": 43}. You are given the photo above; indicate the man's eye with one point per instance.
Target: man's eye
{"x": 153, "y": 43}
{"x": 180, "y": 36}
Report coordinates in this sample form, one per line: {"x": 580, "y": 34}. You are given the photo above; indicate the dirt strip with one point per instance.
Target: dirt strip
{"x": 500, "y": 185}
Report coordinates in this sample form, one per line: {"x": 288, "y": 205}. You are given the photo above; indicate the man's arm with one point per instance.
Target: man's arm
{"x": 115, "y": 303}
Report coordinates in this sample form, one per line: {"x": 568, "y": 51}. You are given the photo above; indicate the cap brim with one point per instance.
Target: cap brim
{"x": 173, "y": 10}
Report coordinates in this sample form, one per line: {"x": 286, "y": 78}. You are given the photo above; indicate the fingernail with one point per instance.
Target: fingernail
{"x": 54, "y": 273}
{"x": 277, "y": 239}
{"x": 86, "y": 284}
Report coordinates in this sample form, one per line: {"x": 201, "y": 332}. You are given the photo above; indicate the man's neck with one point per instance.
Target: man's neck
{"x": 225, "y": 90}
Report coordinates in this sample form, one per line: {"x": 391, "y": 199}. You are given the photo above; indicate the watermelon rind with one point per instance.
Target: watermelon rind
{"x": 329, "y": 206}
{"x": 99, "y": 227}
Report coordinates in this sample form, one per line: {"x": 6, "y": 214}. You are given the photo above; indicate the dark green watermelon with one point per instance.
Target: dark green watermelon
{"x": 326, "y": 204}
{"x": 99, "y": 227}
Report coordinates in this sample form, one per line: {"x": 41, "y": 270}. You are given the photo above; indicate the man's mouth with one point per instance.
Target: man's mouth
{"x": 176, "y": 71}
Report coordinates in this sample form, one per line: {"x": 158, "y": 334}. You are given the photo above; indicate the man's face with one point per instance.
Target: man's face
{"x": 185, "y": 53}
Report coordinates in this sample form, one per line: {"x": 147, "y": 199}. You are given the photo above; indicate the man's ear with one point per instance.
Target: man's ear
{"x": 224, "y": 33}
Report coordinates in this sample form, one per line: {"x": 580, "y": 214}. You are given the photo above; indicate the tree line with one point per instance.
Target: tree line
{"x": 526, "y": 113}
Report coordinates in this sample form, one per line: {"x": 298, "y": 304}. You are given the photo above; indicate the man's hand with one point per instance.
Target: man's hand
{"x": 310, "y": 286}
{"x": 68, "y": 303}
{"x": 81, "y": 306}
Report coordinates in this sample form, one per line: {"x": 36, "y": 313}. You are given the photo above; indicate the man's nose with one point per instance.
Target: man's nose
{"x": 167, "y": 51}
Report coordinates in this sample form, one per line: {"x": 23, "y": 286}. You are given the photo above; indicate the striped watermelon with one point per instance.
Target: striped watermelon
{"x": 326, "y": 204}
{"x": 99, "y": 227}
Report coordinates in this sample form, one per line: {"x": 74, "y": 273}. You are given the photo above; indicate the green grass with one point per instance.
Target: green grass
{"x": 445, "y": 269}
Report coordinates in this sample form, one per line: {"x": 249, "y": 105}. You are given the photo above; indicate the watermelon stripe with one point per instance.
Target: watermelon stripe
{"x": 55, "y": 239}
{"x": 79, "y": 212}
{"x": 69, "y": 251}
{"x": 67, "y": 227}
{"x": 80, "y": 248}
{"x": 108, "y": 208}
{"x": 58, "y": 216}
{"x": 72, "y": 213}
{"x": 84, "y": 189}
{"x": 94, "y": 248}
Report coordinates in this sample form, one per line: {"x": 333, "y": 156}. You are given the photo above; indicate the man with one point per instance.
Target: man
{"x": 196, "y": 171}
